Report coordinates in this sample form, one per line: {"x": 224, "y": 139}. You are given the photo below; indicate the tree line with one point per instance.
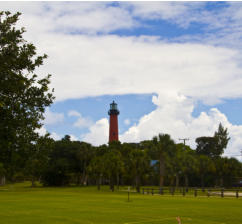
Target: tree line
{"x": 159, "y": 161}
{"x": 24, "y": 154}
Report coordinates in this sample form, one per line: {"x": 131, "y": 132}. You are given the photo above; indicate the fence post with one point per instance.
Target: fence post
{"x": 195, "y": 192}
{"x": 143, "y": 190}
{"x": 183, "y": 192}
{"x": 222, "y": 193}
{"x": 161, "y": 190}
{"x": 237, "y": 193}
{"x": 172, "y": 191}
{"x": 152, "y": 191}
{"x": 208, "y": 193}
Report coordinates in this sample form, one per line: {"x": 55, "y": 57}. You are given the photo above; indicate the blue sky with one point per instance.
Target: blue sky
{"x": 172, "y": 67}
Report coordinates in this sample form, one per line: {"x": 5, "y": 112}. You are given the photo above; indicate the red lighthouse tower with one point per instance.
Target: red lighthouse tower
{"x": 113, "y": 122}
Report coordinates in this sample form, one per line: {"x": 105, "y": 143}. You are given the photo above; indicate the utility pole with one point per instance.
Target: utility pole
{"x": 184, "y": 141}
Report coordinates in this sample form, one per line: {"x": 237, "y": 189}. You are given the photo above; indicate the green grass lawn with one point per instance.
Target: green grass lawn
{"x": 20, "y": 203}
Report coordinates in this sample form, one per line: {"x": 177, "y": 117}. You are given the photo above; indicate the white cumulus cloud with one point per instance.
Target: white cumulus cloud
{"x": 92, "y": 65}
{"x": 98, "y": 133}
{"x": 82, "y": 122}
{"x": 55, "y": 136}
{"x": 52, "y": 117}
{"x": 123, "y": 65}
{"x": 74, "y": 113}
{"x": 42, "y": 131}
{"x": 173, "y": 115}
{"x": 73, "y": 138}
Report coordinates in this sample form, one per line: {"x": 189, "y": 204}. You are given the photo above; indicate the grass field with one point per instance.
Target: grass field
{"x": 20, "y": 203}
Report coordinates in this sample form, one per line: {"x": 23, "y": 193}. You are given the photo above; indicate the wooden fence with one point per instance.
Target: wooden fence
{"x": 208, "y": 192}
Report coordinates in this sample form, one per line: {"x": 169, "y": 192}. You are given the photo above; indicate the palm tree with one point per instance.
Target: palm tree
{"x": 139, "y": 163}
{"x": 205, "y": 166}
{"x": 114, "y": 166}
{"x": 188, "y": 162}
{"x": 96, "y": 169}
{"x": 162, "y": 146}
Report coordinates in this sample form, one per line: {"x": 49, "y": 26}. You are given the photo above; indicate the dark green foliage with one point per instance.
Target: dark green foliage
{"x": 162, "y": 147}
{"x": 213, "y": 146}
{"x": 68, "y": 161}
{"x": 57, "y": 173}
{"x": 221, "y": 139}
{"x": 227, "y": 169}
{"x": 38, "y": 157}
{"x": 206, "y": 146}
{"x": 23, "y": 97}
{"x": 205, "y": 167}
{"x": 64, "y": 162}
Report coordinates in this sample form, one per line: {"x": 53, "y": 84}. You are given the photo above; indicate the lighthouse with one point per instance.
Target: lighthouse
{"x": 113, "y": 122}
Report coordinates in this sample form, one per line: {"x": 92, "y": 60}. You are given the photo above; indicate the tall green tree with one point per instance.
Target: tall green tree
{"x": 162, "y": 146}
{"x": 114, "y": 166}
{"x": 2, "y": 174}
{"x": 81, "y": 154}
{"x": 59, "y": 167}
{"x": 189, "y": 164}
{"x": 23, "y": 96}
{"x": 213, "y": 146}
{"x": 222, "y": 139}
{"x": 138, "y": 165}
{"x": 205, "y": 167}
{"x": 206, "y": 146}
{"x": 228, "y": 171}
{"x": 96, "y": 169}
{"x": 38, "y": 158}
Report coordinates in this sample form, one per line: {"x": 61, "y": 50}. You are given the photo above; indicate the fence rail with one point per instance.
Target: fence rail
{"x": 209, "y": 192}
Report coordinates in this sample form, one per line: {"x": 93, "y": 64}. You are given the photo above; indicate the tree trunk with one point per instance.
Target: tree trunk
{"x": 83, "y": 178}
{"x": 177, "y": 180}
{"x": 33, "y": 182}
{"x": 111, "y": 184}
{"x": 99, "y": 182}
{"x": 118, "y": 181}
{"x": 137, "y": 183}
{"x": 186, "y": 181}
{"x": 162, "y": 169}
{"x": 78, "y": 179}
{"x": 202, "y": 182}
{"x": 172, "y": 181}
{"x": 86, "y": 180}
{"x": 221, "y": 182}
{"x": 2, "y": 180}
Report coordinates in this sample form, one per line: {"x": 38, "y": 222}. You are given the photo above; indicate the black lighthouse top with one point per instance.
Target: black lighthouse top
{"x": 113, "y": 109}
